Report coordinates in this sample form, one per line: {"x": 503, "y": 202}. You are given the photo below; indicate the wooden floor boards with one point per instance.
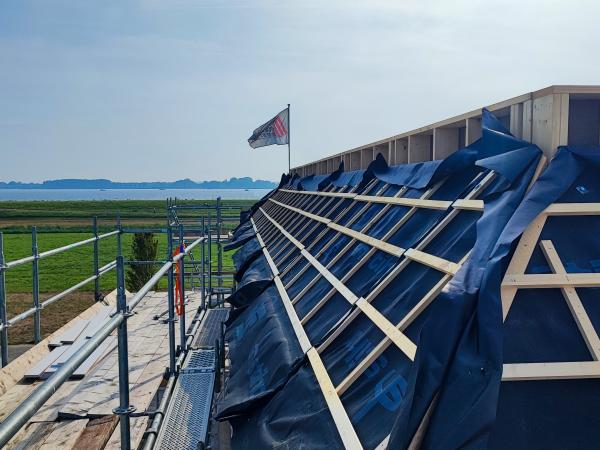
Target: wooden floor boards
{"x": 80, "y": 414}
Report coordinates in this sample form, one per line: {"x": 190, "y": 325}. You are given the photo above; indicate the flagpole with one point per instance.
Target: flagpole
{"x": 289, "y": 153}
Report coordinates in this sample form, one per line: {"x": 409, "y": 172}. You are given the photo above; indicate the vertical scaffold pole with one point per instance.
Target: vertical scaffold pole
{"x": 182, "y": 329}
{"x": 96, "y": 260}
{"x": 171, "y": 301}
{"x": 202, "y": 266}
{"x": 219, "y": 250}
{"x": 209, "y": 258}
{"x": 119, "y": 237}
{"x": 3, "y": 318}
{"x": 124, "y": 409}
{"x": 37, "y": 318}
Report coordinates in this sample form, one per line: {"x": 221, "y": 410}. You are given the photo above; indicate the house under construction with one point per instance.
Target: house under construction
{"x": 435, "y": 289}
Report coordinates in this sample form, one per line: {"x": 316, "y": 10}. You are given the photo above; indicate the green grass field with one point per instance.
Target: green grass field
{"x": 101, "y": 208}
{"x": 58, "y": 272}
{"x": 62, "y": 223}
{"x": 76, "y": 216}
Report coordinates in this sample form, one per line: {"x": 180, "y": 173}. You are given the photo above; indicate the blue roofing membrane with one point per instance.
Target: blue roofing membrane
{"x": 434, "y": 270}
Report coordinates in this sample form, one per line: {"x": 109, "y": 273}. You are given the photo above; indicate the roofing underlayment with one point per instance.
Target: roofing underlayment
{"x": 451, "y": 303}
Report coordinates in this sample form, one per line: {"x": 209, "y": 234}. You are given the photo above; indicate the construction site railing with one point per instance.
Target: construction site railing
{"x": 215, "y": 282}
{"x": 118, "y": 320}
{"x": 34, "y": 259}
{"x": 212, "y": 282}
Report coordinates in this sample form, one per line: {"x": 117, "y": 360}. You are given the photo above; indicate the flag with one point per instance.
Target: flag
{"x": 275, "y": 131}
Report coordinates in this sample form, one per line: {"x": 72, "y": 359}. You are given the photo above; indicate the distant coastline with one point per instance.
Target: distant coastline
{"x": 232, "y": 183}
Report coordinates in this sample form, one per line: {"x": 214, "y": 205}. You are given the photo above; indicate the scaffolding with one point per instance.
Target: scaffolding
{"x": 192, "y": 267}
{"x": 216, "y": 220}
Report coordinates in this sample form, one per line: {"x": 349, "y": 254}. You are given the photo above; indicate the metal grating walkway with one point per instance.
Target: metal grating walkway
{"x": 210, "y": 330}
{"x": 188, "y": 414}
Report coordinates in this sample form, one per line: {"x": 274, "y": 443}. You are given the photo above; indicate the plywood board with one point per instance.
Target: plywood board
{"x": 14, "y": 372}
{"x": 96, "y": 433}
{"x": 98, "y": 320}
{"x": 69, "y": 336}
{"x": 148, "y": 357}
{"x": 64, "y": 435}
{"x": 30, "y": 437}
{"x": 146, "y": 386}
{"x": 107, "y": 346}
{"x": 99, "y": 392}
{"x": 38, "y": 370}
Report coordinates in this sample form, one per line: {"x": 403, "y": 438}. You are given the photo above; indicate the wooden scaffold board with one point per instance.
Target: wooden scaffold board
{"x": 79, "y": 415}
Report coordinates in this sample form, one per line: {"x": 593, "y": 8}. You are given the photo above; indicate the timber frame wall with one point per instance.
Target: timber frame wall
{"x": 550, "y": 117}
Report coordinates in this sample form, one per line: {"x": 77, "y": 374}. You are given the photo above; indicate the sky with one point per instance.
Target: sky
{"x": 160, "y": 90}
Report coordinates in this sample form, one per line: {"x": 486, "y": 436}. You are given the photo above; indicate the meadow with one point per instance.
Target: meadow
{"x": 76, "y": 216}
{"x": 58, "y": 272}
{"x": 66, "y": 222}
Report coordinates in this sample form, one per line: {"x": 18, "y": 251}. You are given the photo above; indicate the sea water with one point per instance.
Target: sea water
{"x": 131, "y": 194}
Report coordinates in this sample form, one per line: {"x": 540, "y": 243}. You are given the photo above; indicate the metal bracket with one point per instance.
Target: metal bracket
{"x": 150, "y": 414}
{"x": 124, "y": 411}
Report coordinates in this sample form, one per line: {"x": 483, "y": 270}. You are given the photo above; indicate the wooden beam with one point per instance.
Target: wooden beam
{"x": 373, "y": 242}
{"x": 403, "y": 201}
{"x": 485, "y": 181}
{"x": 473, "y": 131}
{"x": 328, "y": 205}
{"x": 399, "y": 201}
{"x": 331, "y": 278}
{"x": 371, "y": 185}
{"x": 396, "y": 336}
{"x": 321, "y": 193}
{"x": 527, "y": 120}
{"x": 363, "y": 230}
{"x": 573, "y": 209}
{"x": 336, "y": 408}
{"x": 303, "y": 339}
{"x": 432, "y": 261}
{"x": 415, "y": 255}
{"x": 272, "y": 265}
{"x": 520, "y": 259}
{"x": 260, "y": 241}
{"x": 552, "y": 281}
{"x": 551, "y": 371}
{"x": 570, "y": 294}
{"x": 538, "y": 170}
{"x": 358, "y": 214}
{"x": 302, "y": 212}
{"x": 516, "y": 120}
{"x": 550, "y": 121}
{"x": 469, "y": 205}
{"x": 375, "y": 316}
{"x": 296, "y": 242}
{"x": 385, "y": 342}
{"x": 96, "y": 434}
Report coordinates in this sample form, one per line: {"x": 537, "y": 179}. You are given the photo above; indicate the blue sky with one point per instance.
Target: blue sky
{"x": 170, "y": 89}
